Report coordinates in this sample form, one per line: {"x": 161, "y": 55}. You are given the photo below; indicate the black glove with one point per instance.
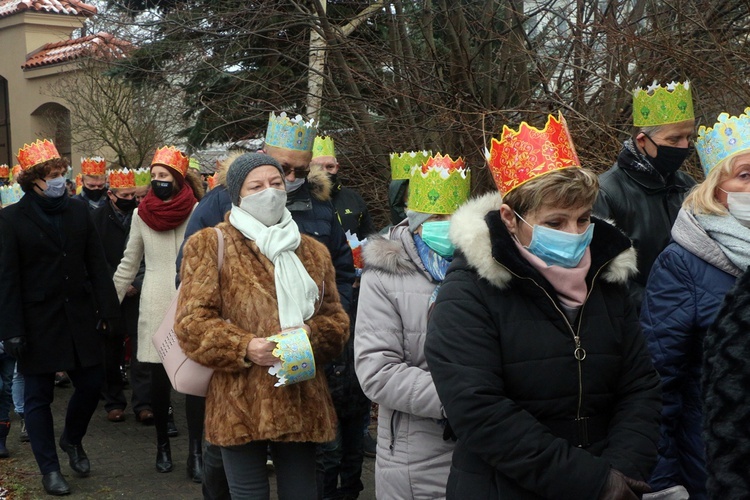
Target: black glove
{"x": 621, "y": 487}
{"x": 448, "y": 434}
{"x": 16, "y": 347}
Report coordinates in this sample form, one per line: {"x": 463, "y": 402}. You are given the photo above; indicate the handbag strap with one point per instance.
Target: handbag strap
{"x": 221, "y": 246}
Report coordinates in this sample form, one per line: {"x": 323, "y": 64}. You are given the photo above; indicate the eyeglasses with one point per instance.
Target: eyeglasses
{"x": 299, "y": 172}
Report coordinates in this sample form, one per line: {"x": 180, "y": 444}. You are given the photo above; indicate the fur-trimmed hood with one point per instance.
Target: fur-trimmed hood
{"x": 481, "y": 237}
{"x": 397, "y": 254}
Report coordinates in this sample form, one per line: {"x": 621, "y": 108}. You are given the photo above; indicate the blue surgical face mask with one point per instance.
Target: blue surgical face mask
{"x": 55, "y": 187}
{"x": 558, "y": 248}
{"x": 435, "y": 236}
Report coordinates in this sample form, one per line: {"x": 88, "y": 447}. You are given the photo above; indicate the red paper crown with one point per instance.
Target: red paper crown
{"x": 171, "y": 157}
{"x": 121, "y": 178}
{"x": 15, "y": 171}
{"x": 446, "y": 162}
{"x": 36, "y": 153}
{"x": 93, "y": 166}
{"x": 211, "y": 181}
{"x": 522, "y": 155}
{"x": 79, "y": 182}
{"x": 4, "y": 171}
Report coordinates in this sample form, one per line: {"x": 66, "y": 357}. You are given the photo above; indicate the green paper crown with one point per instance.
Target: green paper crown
{"x": 439, "y": 190}
{"x": 142, "y": 177}
{"x": 402, "y": 163}
{"x": 323, "y": 146}
{"x": 659, "y": 105}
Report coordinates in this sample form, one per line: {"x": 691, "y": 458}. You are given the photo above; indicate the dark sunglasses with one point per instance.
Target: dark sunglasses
{"x": 299, "y": 172}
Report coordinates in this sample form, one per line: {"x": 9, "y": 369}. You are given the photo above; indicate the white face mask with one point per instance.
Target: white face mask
{"x": 739, "y": 206}
{"x": 266, "y": 206}
{"x": 292, "y": 186}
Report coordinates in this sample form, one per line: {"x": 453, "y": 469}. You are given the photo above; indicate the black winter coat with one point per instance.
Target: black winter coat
{"x": 644, "y": 206}
{"x": 352, "y": 211}
{"x": 501, "y": 353}
{"x": 54, "y": 292}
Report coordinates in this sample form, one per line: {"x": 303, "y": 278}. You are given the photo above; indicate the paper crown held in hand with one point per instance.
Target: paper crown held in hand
{"x": 296, "y": 360}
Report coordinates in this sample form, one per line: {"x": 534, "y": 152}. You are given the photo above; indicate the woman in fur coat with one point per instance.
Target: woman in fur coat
{"x": 156, "y": 233}
{"x": 272, "y": 279}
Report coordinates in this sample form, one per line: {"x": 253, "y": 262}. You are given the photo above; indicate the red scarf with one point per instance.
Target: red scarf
{"x": 165, "y": 215}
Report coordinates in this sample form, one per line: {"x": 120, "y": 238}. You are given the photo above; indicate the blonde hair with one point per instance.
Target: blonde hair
{"x": 565, "y": 188}
{"x": 702, "y": 198}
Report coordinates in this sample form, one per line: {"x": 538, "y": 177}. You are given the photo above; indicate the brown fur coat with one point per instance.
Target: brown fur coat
{"x": 242, "y": 403}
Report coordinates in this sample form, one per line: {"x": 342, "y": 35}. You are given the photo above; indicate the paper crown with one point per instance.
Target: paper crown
{"x": 296, "y": 360}
{"x": 323, "y": 146}
{"x": 295, "y": 134}
{"x": 10, "y": 194}
{"x": 211, "y": 181}
{"x": 522, "y": 155}
{"x": 36, "y": 153}
{"x": 93, "y": 166}
{"x": 729, "y": 136}
{"x": 142, "y": 177}
{"x": 121, "y": 178}
{"x": 15, "y": 171}
{"x": 170, "y": 156}
{"x": 79, "y": 183}
{"x": 402, "y": 163}
{"x": 4, "y": 171}
{"x": 440, "y": 186}
{"x": 194, "y": 164}
{"x": 659, "y": 105}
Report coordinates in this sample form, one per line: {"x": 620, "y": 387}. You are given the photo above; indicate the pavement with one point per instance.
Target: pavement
{"x": 122, "y": 459}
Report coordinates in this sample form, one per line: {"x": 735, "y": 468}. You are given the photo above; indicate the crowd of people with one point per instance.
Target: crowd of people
{"x": 566, "y": 335}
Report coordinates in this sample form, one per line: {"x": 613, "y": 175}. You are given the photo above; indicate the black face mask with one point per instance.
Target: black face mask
{"x": 668, "y": 159}
{"x": 125, "y": 205}
{"x": 162, "y": 189}
{"x": 334, "y": 178}
{"x": 94, "y": 194}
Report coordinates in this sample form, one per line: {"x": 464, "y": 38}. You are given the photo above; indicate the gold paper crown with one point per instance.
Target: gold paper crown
{"x": 93, "y": 166}
{"x": 121, "y": 178}
{"x": 323, "y": 146}
{"x": 4, "y": 171}
{"x": 79, "y": 183}
{"x": 522, "y": 155}
{"x": 170, "y": 156}
{"x": 659, "y": 105}
{"x": 36, "y": 153}
{"x": 402, "y": 163}
{"x": 142, "y": 177}
{"x": 15, "y": 171}
{"x": 440, "y": 186}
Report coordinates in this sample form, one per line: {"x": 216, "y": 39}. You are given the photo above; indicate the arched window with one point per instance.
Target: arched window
{"x": 52, "y": 121}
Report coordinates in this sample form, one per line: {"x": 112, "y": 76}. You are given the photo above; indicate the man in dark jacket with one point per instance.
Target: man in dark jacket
{"x": 644, "y": 190}
{"x": 94, "y": 181}
{"x": 112, "y": 222}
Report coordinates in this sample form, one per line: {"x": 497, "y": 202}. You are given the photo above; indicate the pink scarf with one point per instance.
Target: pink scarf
{"x": 570, "y": 284}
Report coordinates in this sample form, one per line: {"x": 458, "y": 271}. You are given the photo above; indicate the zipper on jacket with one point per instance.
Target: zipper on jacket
{"x": 392, "y": 444}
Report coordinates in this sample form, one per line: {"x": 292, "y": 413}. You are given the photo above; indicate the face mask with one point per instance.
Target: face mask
{"x": 55, "y": 187}
{"x": 266, "y": 206}
{"x": 668, "y": 160}
{"x": 125, "y": 205}
{"x": 334, "y": 178}
{"x": 294, "y": 185}
{"x": 435, "y": 236}
{"x": 558, "y": 248}
{"x": 739, "y": 206}
{"x": 162, "y": 189}
{"x": 93, "y": 194}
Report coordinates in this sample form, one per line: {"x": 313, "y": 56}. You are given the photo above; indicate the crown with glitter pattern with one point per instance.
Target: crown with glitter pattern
{"x": 439, "y": 186}
{"x": 296, "y": 360}
{"x": 142, "y": 177}
{"x": 657, "y": 105}
{"x": 522, "y": 155}
{"x": 94, "y": 166}
{"x": 402, "y": 163}
{"x": 15, "y": 171}
{"x": 211, "y": 181}
{"x": 323, "y": 146}
{"x": 171, "y": 157}
{"x": 36, "y": 153}
{"x": 79, "y": 183}
{"x": 4, "y": 172}
{"x": 121, "y": 178}
{"x": 728, "y": 137}
{"x": 294, "y": 134}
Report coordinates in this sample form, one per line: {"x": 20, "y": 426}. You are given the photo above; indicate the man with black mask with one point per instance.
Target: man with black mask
{"x": 112, "y": 222}
{"x": 94, "y": 181}
{"x": 644, "y": 190}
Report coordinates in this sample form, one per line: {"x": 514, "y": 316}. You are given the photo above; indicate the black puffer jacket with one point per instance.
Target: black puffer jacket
{"x": 501, "y": 353}
{"x": 645, "y": 207}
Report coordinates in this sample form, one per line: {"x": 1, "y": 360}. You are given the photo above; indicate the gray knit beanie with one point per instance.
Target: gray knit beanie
{"x": 242, "y": 166}
{"x": 416, "y": 219}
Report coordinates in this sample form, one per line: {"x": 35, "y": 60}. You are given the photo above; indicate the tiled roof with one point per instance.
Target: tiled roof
{"x": 101, "y": 45}
{"x": 67, "y": 7}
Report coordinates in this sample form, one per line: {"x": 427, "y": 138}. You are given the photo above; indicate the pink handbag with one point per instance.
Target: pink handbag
{"x": 187, "y": 376}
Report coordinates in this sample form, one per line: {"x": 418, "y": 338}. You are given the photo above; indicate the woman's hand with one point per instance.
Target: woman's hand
{"x": 260, "y": 352}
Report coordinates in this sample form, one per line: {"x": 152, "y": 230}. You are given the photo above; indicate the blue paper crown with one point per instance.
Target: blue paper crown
{"x": 728, "y": 137}
{"x": 295, "y": 134}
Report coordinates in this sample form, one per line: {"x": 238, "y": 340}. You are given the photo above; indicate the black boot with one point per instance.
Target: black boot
{"x": 163, "y": 457}
{"x": 4, "y": 429}
{"x": 171, "y": 427}
{"x": 195, "y": 461}
{"x": 55, "y": 484}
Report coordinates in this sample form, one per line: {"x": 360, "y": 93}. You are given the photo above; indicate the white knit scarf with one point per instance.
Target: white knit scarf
{"x": 296, "y": 292}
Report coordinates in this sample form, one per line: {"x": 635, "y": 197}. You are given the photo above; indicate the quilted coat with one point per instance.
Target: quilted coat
{"x": 220, "y": 313}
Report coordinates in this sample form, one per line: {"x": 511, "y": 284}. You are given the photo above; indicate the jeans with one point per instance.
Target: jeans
{"x": 245, "y": 466}
{"x": 215, "y": 486}
{"x": 341, "y": 459}
{"x": 6, "y": 380}
{"x": 17, "y": 390}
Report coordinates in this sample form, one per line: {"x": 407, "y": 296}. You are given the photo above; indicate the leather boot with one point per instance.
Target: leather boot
{"x": 195, "y": 461}
{"x": 163, "y": 457}
{"x": 55, "y": 484}
{"x": 4, "y": 429}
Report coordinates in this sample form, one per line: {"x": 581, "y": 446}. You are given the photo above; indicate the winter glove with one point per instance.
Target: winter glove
{"x": 16, "y": 347}
{"x": 621, "y": 487}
